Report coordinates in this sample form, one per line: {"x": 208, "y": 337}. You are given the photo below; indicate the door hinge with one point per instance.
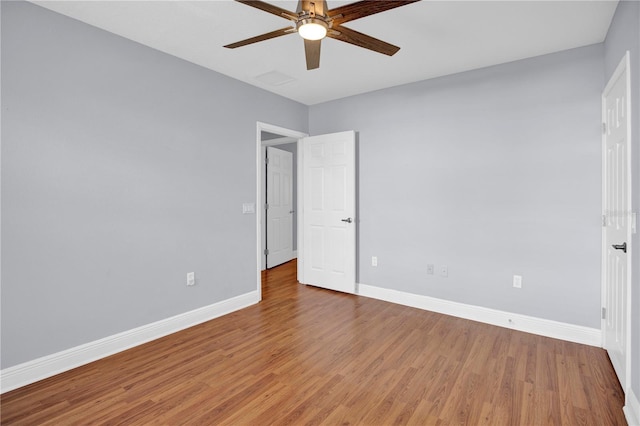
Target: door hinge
{"x": 266, "y": 206}
{"x": 604, "y": 313}
{"x": 604, "y": 128}
{"x": 266, "y": 160}
{"x": 266, "y": 252}
{"x": 604, "y": 220}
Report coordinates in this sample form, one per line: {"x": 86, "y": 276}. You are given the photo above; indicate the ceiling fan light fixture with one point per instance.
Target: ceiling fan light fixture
{"x": 312, "y": 29}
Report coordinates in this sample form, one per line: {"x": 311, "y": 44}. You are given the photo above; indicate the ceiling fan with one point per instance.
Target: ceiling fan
{"x": 313, "y": 21}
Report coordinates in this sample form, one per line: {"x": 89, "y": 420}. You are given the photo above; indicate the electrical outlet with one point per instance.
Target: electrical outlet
{"x": 517, "y": 281}
{"x": 430, "y": 269}
{"x": 444, "y": 271}
{"x": 191, "y": 278}
{"x": 374, "y": 261}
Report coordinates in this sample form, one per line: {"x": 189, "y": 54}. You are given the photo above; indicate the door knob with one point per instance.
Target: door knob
{"x": 622, "y": 247}
{"x": 348, "y": 220}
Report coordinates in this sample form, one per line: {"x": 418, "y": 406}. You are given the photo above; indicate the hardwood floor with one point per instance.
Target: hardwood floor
{"x": 311, "y": 356}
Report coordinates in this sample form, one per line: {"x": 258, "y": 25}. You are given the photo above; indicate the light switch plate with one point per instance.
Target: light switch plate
{"x": 248, "y": 208}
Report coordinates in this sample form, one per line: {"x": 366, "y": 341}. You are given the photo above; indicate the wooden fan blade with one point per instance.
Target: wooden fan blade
{"x": 262, "y": 37}
{"x": 354, "y": 37}
{"x": 312, "y": 52}
{"x": 360, "y": 9}
{"x": 275, "y": 10}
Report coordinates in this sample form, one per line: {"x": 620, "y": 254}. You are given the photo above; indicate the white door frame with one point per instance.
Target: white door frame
{"x": 260, "y": 180}
{"x": 622, "y": 67}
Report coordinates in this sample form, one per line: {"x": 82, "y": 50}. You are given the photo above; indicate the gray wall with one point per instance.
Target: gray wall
{"x": 493, "y": 172}
{"x": 624, "y": 34}
{"x": 122, "y": 169}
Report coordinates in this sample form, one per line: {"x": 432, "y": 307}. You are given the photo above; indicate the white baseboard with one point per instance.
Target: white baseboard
{"x": 632, "y": 408}
{"x": 543, "y": 327}
{"x": 50, "y": 365}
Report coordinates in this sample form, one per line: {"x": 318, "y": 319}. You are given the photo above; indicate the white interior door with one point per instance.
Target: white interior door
{"x": 617, "y": 217}
{"x": 328, "y": 217}
{"x": 279, "y": 212}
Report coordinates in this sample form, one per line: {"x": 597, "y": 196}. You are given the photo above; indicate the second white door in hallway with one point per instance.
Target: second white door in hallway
{"x": 279, "y": 212}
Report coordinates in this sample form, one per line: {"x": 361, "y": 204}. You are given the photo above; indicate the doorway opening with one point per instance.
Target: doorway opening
{"x": 279, "y": 232}
{"x": 287, "y": 140}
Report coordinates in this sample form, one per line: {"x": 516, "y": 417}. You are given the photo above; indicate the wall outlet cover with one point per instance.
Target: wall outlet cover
{"x": 517, "y": 281}
{"x": 444, "y": 271}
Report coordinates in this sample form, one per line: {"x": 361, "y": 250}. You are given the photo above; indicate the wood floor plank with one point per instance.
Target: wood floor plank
{"x": 309, "y": 356}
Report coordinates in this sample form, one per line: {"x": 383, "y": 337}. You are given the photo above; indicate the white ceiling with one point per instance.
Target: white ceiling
{"x": 436, "y": 38}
